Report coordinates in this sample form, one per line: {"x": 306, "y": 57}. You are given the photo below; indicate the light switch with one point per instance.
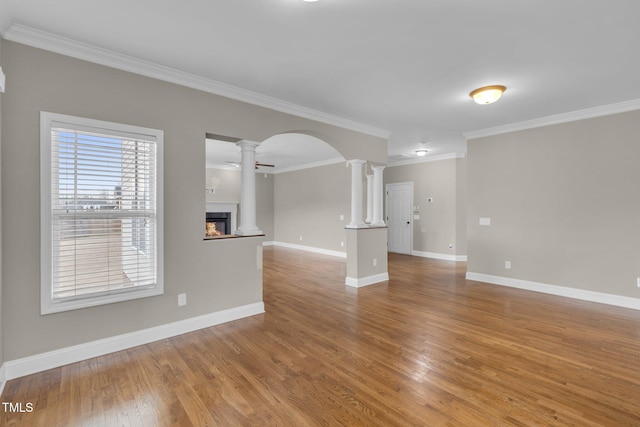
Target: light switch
{"x": 182, "y": 299}
{"x": 485, "y": 221}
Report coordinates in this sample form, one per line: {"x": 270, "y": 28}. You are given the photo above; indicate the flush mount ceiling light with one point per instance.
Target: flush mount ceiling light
{"x": 421, "y": 152}
{"x": 487, "y": 94}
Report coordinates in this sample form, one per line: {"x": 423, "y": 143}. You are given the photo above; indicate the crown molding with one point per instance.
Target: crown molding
{"x": 427, "y": 159}
{"x": 277, "y": 170}
{"x": 306, "y": 166}
{"x": 589, "y": 113}
{"x": 65, "y": 46}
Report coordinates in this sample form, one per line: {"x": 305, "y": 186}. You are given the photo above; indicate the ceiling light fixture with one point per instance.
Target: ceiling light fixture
{"x": 422, "y": 151}
{"x": 487, "y": 94}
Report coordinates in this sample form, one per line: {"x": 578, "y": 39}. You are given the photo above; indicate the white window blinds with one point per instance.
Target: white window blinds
{"x": 103, "y": 212}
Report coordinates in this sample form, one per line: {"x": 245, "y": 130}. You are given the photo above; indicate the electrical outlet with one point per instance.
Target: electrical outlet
{"x": 341, "y": 217}
{"x": 638, "y": 282}
{"x": 450, "y": 245}
{"x": 182, "y": 299}
{"x": 507, "y": 265}
{"x": 375, "y": 262}
{"x": 301, "y": 238}
{"x": 342, "y": 244}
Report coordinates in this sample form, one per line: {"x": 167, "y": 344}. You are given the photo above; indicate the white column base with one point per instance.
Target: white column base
{"x": 366, "y": 281}
{"x": 252, "y": 232}
{"x": 355, "y": 226}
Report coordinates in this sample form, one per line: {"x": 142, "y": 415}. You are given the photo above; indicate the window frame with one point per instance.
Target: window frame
{"x": 47, "y": 303}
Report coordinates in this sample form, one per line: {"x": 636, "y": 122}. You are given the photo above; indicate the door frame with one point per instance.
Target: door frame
{"x": 386, "y": 212}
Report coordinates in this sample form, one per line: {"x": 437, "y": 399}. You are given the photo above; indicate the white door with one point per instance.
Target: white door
{"x": 399, "y": 217}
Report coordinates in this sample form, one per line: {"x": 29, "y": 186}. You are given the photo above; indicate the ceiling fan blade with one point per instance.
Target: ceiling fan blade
{"x": 258, "y": 164}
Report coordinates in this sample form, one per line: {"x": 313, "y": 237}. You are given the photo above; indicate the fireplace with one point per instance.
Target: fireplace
{"x": 218, "y": 224}
{"x": 222, "y": 215}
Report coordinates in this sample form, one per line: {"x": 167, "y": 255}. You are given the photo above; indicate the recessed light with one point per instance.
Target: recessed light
{"x": 422, "y": 152}
{"x": 487, "y": 94}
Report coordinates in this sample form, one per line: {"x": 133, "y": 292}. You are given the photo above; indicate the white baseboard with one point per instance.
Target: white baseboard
{"x": 64, "y": 356}
{"x": 435, "y": 255}
{"x": 307, "y": 248}
{"x": 3, "y": 379}
{"x": 581, "y": 294}
{"x": 365, "y": 281}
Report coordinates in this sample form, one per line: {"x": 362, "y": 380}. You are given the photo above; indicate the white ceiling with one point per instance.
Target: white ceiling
{"x": 404, "y": 68}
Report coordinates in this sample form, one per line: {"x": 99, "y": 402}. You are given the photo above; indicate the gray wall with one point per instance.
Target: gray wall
{"x": 229, "y": 188}
{"x": 564, "y": 204}
{"x": 364, "y": 246}
{"x": 461, "y": 207}
{"x": 444, "y": 220}
{"x": 216, "y": 275}
{"x": 265, "y": 203}
{"x": 2, "y": 323}
{"x": 309, "y": 203}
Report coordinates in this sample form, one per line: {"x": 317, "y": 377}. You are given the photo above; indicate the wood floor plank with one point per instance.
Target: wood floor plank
{"x": 426, "y": 348}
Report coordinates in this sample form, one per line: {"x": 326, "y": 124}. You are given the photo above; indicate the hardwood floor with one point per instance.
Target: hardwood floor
{"x": 426, "y": 348}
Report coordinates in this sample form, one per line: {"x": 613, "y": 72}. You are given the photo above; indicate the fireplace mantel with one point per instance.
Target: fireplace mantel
{"x": 231, "y": 207}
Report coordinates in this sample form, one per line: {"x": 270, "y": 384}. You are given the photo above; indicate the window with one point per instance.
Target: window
{"x": 101, "y": 219}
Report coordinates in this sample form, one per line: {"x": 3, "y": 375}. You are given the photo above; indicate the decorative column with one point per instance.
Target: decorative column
{"x": 356, "y": 194}
{"x": 369, "y": 199}
{"x": 378, "y": 192}
{"x": 248, "y": 225}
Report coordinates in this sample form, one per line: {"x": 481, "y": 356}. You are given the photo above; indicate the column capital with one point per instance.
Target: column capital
{"x": 356, "y": 162}
{"x": 246, "y": 144}
{"x": 377, "y": 168}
